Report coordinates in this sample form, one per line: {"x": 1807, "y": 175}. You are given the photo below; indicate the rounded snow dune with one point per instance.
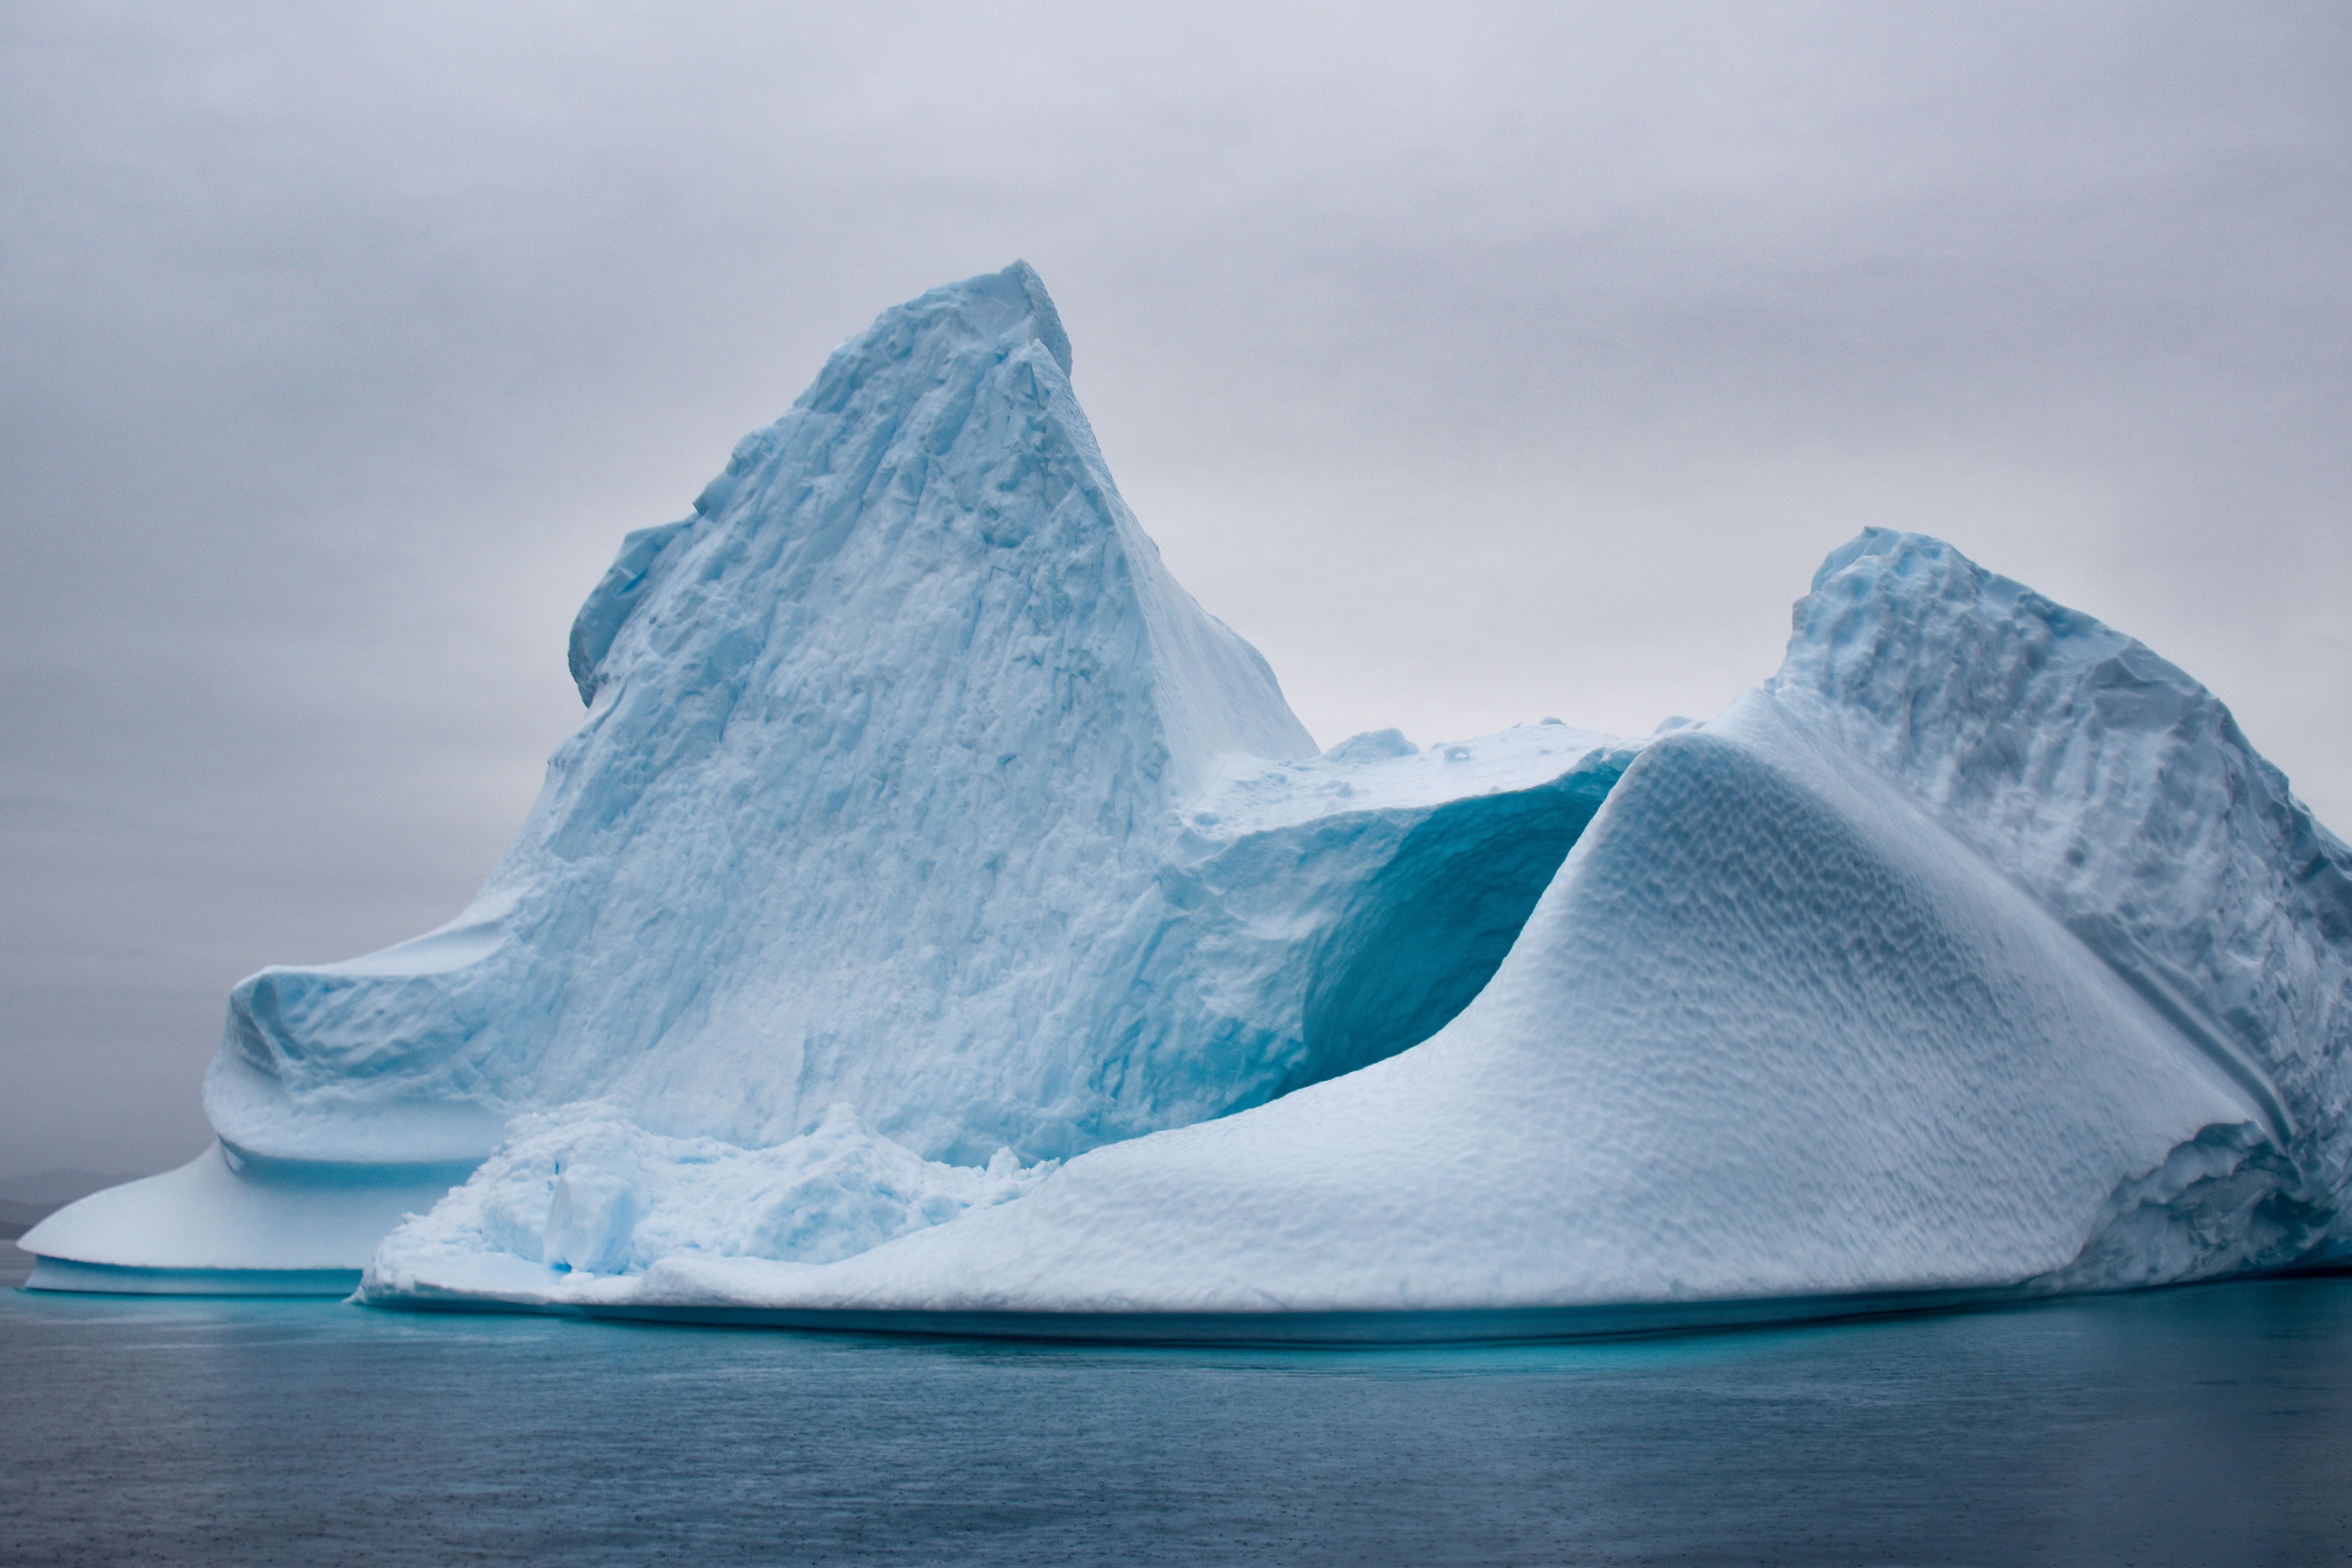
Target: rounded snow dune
{"x": 1772, "y": 1036}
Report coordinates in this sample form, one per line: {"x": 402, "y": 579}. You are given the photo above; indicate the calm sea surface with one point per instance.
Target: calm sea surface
{"x": 2205, "y": 1425}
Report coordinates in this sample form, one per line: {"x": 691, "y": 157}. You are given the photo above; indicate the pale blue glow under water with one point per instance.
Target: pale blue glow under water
{"x": 2198, "y": 1426}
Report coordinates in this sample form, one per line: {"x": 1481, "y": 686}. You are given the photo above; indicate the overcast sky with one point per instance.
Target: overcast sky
{"x": 1477, "y": 363}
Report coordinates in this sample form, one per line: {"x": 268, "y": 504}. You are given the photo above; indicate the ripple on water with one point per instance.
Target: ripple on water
{"x": 2193, "y": 1426}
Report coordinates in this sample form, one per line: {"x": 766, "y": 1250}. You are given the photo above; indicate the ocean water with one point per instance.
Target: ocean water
{"x": 2204, "y": 1426}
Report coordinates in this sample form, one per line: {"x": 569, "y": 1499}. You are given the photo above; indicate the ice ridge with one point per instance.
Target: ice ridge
{"x": 2120, "y": 792}
{"x": 911, "y": 640}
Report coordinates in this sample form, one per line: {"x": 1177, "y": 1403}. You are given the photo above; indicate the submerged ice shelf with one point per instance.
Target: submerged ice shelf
{"x": 939, "y": 917}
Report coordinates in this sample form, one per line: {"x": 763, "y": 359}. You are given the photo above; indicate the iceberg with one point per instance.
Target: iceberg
{"x": 940, "y": 922}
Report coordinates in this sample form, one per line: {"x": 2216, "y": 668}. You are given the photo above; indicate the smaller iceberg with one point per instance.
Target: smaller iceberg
{"x": 939, "y": 921}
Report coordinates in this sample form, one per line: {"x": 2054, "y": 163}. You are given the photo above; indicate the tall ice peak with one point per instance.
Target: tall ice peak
{"x": 911, "y": 664}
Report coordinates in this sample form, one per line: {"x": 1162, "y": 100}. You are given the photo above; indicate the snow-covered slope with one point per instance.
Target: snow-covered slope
{"x": 1977, "y": 953}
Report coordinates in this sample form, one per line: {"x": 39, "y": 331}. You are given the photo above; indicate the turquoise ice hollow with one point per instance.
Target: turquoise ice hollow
{"x": 938, "y": 920}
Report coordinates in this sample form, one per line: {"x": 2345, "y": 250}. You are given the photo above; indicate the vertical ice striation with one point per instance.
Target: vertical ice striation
{"x": 879, "y": 747}
{"x": 2114, "y": 788}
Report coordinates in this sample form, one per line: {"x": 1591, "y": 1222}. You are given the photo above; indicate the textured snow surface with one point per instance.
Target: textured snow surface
{"x": 938, "y": 912}
{"x": 1769, "y": 1033}
{"x": 2115, "y": 789}
{"x": 867, "y": 808}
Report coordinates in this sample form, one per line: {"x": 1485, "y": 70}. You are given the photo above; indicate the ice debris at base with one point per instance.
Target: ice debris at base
{"x": 937, "y": 911}
{"x": 588, "y": 1190}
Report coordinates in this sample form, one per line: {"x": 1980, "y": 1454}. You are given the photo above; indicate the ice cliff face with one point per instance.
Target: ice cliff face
{"x": 938, "y": 912}
{"x": 2114, "y": 788}
{"x": 867, "y": 807}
